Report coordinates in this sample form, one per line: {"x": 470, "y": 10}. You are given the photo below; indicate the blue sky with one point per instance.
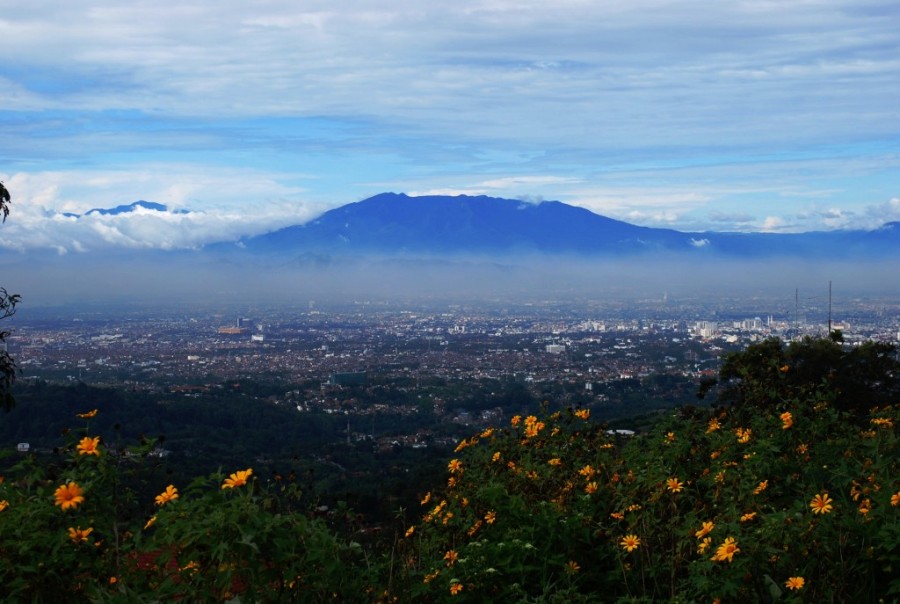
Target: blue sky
{"x": 695, "y": 115}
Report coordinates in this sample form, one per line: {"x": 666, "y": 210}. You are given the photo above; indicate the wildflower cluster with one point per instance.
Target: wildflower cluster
{"x": 712, "y": 504}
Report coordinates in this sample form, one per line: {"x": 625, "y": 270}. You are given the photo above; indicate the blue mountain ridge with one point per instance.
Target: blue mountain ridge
{"x": 125, "y": 209}
{"x": 398, "y": 224}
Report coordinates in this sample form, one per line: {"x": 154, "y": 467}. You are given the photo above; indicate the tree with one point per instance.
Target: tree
{"x": 7, "y": 309}
{"x": 769, "y": 373}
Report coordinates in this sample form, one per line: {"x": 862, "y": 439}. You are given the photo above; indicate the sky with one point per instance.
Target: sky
{"x": 728, "y": 115}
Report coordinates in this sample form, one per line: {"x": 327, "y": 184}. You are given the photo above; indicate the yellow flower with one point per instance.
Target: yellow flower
{"x": 426, "y": 499}
{"x": 455, "y": 588}
{"x": 79, "y": 535}
{"x": 150, "y": 522}
{"x": 590, "y": 488}
{"x": 704, "y": 545}
{"x": 490, "y": 517}
{"x": 713, "y": 425}
{"x": 87, "y": 415}
{"x": 88, "y": 446}
{"x": 884, "y": 422}
{"x": 583, "y": 413}
{"x": 895, "y": 499}
{"x": 533, "y": 429}
{"x": 68, "y": 495}
{"x": 674, "y": 485}
{"x": 462, "y": 445}
{"x": 630, "y": 542}
{"x": 748, "y": 516}
{"x": 455, "y": 466}
{"x": 821, "y": 504}
{"x": 795, "y": 583}
{"x": 743, "y": 435}
{"x": 410, "y": 531}
{"x": 705, "y": 530}
{"x": 761, "y": 487}
{"x": 431, "y": 576}
{"x": 495, "y": 457}
{"x": 170, "y": 494}
{"x": 587, "y": 471}
{"x": 670, "y": 437}
{"x": 555, "y": 461}
{"x": 865, "y": 507}
{"x": 787, "y": 420}
{"x": 451, "y": 557}
{"x": 726, "y": 551}
{"x": 237, "y": 479}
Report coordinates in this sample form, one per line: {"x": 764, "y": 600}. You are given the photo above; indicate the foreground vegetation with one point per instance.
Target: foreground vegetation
{"x": 790, "y": 494}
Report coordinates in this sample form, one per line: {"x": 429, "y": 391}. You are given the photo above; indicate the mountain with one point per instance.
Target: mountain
{"x": 399, "y": 225}
{"x": 440, "y": 225}
{"x": 126, "y": 209}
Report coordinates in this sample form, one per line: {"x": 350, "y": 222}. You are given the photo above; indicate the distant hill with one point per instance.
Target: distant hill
{"x": 125, "y": 209}
{"x": 397, "y": 224}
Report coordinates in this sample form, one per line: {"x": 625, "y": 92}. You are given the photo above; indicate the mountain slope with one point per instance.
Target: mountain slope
{"x": 399, "y": 224}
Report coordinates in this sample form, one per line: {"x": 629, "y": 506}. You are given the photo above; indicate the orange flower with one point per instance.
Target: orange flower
{"x": 455, "y": 466}
{"x": 170, "y": 494}
{"x": 451, "y": 557}
{"x": 795, "y": 583}
{"x": 238, "y": 479}
{"x": 713, "y": 425}
{"x": 821, "y": 504}
{"x": 515, "y": 420}
{"x": 787, "y": 420}
{"x": 410, "y": 531}
{"x": 895, "y": 499}
{"x": 587, "y": 471}
{"x": 590, "y": 488}
{"x": 555, "y": 461}
{"x": 761, "y": 487}
{"x": 455, "y": 588}
{"x": 748, "y": 516}
{"x": 726, "y": 551}
{"x": 572, "y": 567}
{"x": 68, "y": 496}
{"x": 583, "y": 413}
{"x": 674, "y": 485}
{"x": 705, "y": 530}
{"x": 704, "y": 545}
{"x": 88, "y": 446}
{"x": 743, "y": 435}
{"x": 670, "y": 437}
{"x": 490, "y": 517}
{"x": 617, "y": 515}
{"x": 87, "y": 415}
{"x": 150, "y": 522}
{"x": 79, "y": 535}
{"x": 630, "y": 542}
{"x": 426, "y": 499}
{"x": 3, "y": 504}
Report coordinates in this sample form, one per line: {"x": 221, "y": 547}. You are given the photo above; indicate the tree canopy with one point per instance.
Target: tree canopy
{"x": 7, "y": 309}
{"x": 769, "y": 373}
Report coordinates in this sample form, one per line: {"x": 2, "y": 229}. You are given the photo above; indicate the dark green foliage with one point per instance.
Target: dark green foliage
{"x": 856, "y": 379}
{"x": 7, "y": 309}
